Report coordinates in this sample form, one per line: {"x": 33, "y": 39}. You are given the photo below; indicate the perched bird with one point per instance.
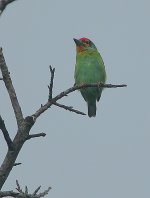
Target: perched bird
{"x": 89, "y": 68}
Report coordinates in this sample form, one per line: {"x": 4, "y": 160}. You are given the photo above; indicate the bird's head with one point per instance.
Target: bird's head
{"x": 84, "y": 44}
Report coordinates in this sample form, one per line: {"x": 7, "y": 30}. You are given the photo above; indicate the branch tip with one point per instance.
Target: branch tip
{"x": 17, "y": 164}
{"x": 36, "y": 191}
{"x": 26, "y": 190}
{"x": 50, "y": 86}
{"x": 35, "y": 135}
{"x": 69, "y": 108}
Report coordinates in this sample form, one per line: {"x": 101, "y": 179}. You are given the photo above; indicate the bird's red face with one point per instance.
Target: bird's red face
{"x": 83, "y": 44}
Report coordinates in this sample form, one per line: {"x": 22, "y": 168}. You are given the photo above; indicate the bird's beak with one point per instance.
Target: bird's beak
{"x": 77, "y": 42}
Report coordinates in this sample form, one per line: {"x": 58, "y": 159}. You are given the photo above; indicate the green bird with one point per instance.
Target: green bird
{"x": 89, "y": 68}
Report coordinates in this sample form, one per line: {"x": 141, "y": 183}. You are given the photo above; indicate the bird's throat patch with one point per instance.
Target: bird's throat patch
{"x": 80, "y": 48}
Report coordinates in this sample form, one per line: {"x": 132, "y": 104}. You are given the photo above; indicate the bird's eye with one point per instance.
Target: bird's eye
{"x": 86, "y": 43}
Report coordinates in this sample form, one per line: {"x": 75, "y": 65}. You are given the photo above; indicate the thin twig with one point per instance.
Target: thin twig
{"x": 36, "y": 135}
{"x": 18, "y": 187}
{"x": 68, "y": 108}
{"x": 50, "y": 87}
{"x": 11, "y": 90}
{"x": 17, "y": 164}
{"x": 6, "y": 134}
{"x": 44, "y": 193}
{"x": 26, "y": 191}
{"x": 36, "y": 190}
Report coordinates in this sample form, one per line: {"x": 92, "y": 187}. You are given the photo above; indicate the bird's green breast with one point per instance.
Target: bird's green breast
{"x": 89, "y": 68}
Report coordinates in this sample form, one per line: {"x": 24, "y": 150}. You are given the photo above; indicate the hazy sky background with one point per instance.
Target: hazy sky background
{"x": 107, "y": 156}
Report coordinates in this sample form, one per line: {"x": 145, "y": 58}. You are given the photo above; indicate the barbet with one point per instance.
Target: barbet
{"x": 89, "y": 68}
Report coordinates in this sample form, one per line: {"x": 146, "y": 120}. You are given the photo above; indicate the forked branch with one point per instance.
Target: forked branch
{"x": 53, "y": 101}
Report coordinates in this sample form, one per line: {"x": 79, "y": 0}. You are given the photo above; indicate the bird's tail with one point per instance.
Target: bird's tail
{"x": 92, "y": 109}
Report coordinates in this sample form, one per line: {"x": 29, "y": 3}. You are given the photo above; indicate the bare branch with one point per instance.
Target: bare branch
{"x": 6, "y": 134}
{"x": 68, "y": 108}
{"x": 3, "y": 4}
{"x": 36, "y": 135}
{"x": 48, "y": 104}
{"x": 1, "y": 78}
{"x": 11, "y": 90}
{"x": 50, "y": 87}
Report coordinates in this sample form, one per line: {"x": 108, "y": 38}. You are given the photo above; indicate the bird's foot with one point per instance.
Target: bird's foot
{"x": 100, "y": 83}
{"x": 82, "y": 84}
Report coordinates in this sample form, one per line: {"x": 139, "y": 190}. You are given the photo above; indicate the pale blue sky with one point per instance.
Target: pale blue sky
{"x": 107, "y": 156}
